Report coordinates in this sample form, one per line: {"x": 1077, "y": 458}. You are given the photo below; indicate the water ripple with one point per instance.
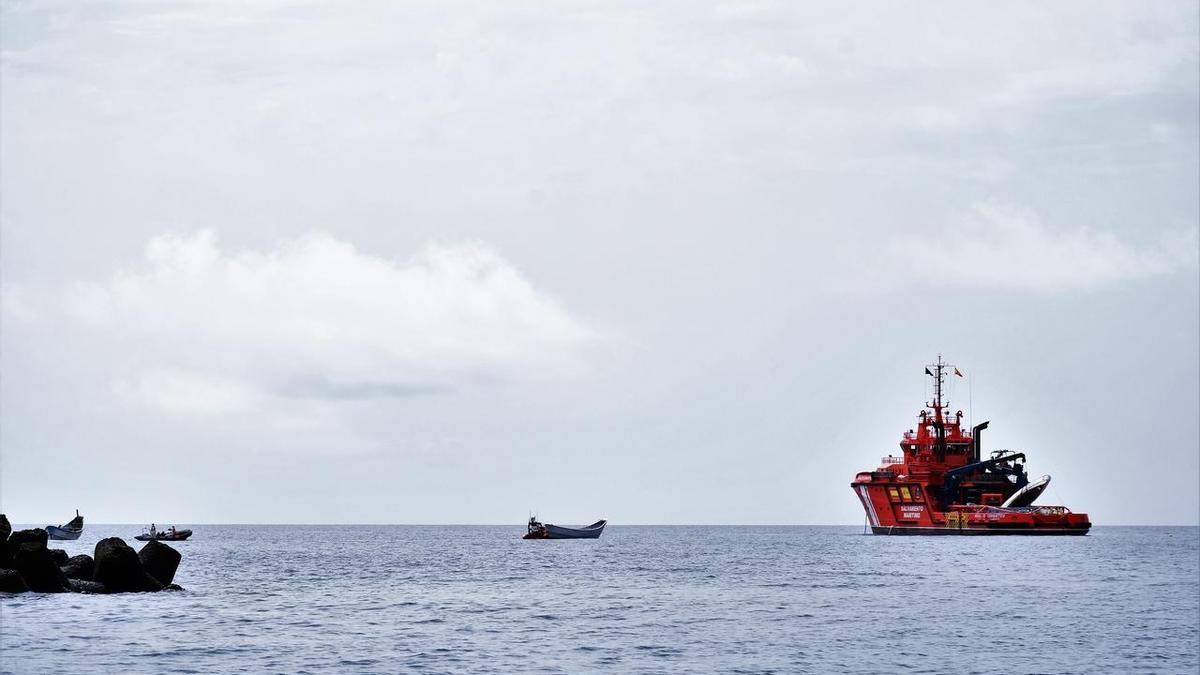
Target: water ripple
{"x": 642, "y": 599}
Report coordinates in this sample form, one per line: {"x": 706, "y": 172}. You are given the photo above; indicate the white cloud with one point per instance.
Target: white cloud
{"x": 180, "y": 391}
{"x": 15, "y": 304}
{"x": 1006, "y": 247}
{"x": 204, "y": 330}
{"x": 595, "y": 90}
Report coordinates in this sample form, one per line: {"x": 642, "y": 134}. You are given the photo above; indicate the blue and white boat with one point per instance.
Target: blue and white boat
{"x": 537, "y": 530}
{"x": 68, "y": 532}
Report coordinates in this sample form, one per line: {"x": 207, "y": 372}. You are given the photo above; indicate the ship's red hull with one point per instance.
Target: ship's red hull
{"x": 1020, "y": 531}
{"x": 903, "y": 506}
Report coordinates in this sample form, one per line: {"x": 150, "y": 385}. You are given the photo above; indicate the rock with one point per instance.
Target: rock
{"x": 25, "y": 537}
{"x": 87, "y": 586}
{"x": 79, "y": 567}
{"x": 160, "y": 561}
{"x": 11, "y": 582}
{"x": 119, "y": 568}
{"x": 9, "y": 548}
{"x": 59, "y": 556}
{"x": 5, "y": 551}
{"x": 37, "y": 567}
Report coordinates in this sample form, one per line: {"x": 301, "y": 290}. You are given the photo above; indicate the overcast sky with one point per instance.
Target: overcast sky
{"x": 655, "y": 262}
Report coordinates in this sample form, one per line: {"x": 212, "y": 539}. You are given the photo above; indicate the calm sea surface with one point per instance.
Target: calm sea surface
{"x": 377, "y": 599}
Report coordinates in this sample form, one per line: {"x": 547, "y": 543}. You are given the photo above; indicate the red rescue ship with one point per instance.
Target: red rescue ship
{"x": 940, "y": 484}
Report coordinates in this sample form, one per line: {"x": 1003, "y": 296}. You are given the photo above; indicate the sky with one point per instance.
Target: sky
{"x": 667, "y": 263}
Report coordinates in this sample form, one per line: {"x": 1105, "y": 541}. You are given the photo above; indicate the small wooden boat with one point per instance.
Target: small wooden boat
{"x": 67, "y": 532}
{"x": 537, "y": 530}
{"x": 169, "y": 534}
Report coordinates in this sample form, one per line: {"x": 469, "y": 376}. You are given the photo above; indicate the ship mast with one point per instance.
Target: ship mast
{"x": 938, "y": 421}
{"x": 937, "y": 388}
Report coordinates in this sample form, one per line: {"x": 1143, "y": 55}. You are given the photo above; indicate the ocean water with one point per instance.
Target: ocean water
{"x": 382, "y": 599}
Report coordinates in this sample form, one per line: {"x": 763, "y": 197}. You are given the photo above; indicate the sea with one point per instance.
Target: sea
{"x": 478, "y": 599}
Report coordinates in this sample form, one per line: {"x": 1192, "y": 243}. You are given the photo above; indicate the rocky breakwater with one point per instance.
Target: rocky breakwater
{"x": 27, "y": 565}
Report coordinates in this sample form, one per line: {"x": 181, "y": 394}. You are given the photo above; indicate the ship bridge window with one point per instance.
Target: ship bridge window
{"x": 894, "y": 494}
{"x": 905, "y": 494}
{"x": 916, "y": 492}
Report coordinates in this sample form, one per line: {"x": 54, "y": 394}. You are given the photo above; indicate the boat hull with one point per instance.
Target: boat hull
{"x": 549, "y": 531}
{"x": 901, "y": 530}
{"x": 894, "y": 507}
{"x": 60, "y": 534}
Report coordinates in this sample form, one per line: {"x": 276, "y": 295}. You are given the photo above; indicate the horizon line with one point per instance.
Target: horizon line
{"x": 610, "y": 524}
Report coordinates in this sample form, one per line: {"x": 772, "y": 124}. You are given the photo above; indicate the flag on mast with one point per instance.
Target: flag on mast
{"x": 956, "y": 372}
{"x": 928, "y": 373}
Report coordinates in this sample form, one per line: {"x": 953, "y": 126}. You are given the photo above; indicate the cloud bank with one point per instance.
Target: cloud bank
{"x": 1001, "y": 246}
{"x": 203, "y": 330}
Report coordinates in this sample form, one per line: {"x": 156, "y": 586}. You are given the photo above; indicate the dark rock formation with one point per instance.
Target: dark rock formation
{"x": 5, "y": 552}
{"x": 79, "y": 567}
{"x": 11, "y": 582}
{"x": 87, "y": 586}
{"x": 35, "y": 564}
{"x": 25, "y": 537}
{"x": 160, "y": 561}
{"x": 26, "y": 564}
{"x": 119, "y": 568}
{"x": 9, "y": 548}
